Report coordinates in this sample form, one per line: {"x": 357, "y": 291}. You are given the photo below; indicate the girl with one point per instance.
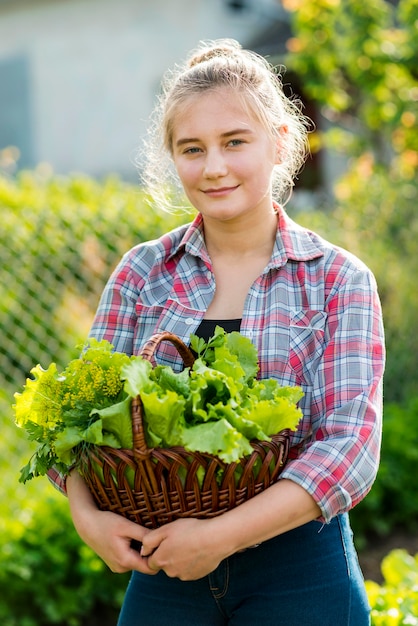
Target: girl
{"x": 312, "y": 310}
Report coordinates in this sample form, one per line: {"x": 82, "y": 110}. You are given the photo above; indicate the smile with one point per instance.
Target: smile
{"x": 220, "y": 191}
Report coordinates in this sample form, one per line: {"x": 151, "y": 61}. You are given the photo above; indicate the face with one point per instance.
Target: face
{"x": 224, "y": 156}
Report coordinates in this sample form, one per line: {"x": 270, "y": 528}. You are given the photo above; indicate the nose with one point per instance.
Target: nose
{"x": 215, "y": 164}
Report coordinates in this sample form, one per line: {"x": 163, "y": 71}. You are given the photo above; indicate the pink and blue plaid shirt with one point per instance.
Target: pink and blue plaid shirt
{"x": 315, "y": 317}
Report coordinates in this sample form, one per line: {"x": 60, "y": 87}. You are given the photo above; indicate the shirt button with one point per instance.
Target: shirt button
{"x": 189, "y": 321}
{"x": 209, "y": 275}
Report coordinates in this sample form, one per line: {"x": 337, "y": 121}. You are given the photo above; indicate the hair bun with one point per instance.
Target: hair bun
{"x": 214, "y": 49}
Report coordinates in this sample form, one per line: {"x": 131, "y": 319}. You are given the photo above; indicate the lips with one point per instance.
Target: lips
{"x": 219, "y": 191}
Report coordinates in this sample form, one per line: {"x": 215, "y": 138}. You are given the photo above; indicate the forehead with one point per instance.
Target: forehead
{"x": 213, "y": 110}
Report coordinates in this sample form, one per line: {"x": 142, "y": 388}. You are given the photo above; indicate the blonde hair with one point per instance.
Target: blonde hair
{"x": 213, "y": 65}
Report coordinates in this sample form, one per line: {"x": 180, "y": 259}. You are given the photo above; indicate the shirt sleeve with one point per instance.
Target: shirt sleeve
{"x": 58, "y": 480}
{"x": 115, "y": 318}
{"x": 115, "y": 321}
{"x": 339, "y": 463}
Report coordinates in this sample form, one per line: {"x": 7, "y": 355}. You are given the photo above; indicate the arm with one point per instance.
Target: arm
{"x": 339, "y": 454}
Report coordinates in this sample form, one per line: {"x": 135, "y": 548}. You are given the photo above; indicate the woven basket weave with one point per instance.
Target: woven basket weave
{"x": 153, "y": 486}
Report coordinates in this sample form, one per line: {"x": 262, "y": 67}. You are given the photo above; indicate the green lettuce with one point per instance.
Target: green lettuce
{"x": 216, "y": 406}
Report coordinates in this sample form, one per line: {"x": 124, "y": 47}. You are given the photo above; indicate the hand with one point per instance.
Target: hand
{"x": 113, "y": 538}
{"x": 108, "y": 534}
{"x": 187, "y": 549}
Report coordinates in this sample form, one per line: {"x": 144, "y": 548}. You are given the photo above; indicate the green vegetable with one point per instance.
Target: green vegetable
{"x": 216, "y": 406}
{"x": 84, "y": 404}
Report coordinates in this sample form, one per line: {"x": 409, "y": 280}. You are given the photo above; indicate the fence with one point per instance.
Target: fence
{"x": 59, "y": 240}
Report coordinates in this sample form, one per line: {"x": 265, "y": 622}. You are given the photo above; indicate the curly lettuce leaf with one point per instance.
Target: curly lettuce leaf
{"x": 40, "y": 400}
{"x": 250, "y": 429}
{"x": 245, "y": 351}
{"x": 72, "y": 436}
{"x": 208, "y": 387}
{"x": 167, "y": 379}
{"x": 164, "y": 413}
{"x": 231, "y": 353}
{"x": 218, "y": 438}
{"x": 272, "y": 417}
{"x": 136, "y": 375}
{"x": 116, "y": 419}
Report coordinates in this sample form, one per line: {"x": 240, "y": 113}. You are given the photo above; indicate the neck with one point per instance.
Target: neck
{"x": 244, "y": 238}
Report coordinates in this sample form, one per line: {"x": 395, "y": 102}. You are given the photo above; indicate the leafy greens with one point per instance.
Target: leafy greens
{"x": 216, "y": 406}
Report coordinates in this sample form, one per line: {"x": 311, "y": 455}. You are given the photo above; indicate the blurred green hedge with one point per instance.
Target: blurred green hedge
{"x": 395, "y": 602}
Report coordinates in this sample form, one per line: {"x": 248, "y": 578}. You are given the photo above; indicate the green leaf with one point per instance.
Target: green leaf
{"x": 164, "y": 412}
{"x": 69, "y": 438}
{"x": 209, "y": 386}
{"x": 273, "y": 417}
{"x": 136, "y": 375}
{"x": 218, "y": 438}
{"x": 116, "y": 419}
{"x": 250, "y": 429}
{"x": 245, "y": 351}
{"x": 167, "y": 379}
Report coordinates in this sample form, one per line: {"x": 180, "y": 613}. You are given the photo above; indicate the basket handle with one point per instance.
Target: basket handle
{"x": 147, "y": 352}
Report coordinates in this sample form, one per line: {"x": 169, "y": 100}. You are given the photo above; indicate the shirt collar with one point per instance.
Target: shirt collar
{"x": 293, "y": 242}
{"x": 193, "y": 240}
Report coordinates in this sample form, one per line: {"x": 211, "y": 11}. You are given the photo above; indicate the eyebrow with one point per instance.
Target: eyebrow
{"x": 229, "y": 133}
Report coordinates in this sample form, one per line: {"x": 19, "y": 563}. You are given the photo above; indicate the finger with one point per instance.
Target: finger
{"x": 143, "y": 565}
{"x": 150, "y": 542}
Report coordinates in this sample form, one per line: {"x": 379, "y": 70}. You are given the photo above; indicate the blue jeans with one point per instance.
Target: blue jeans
{"x": 309, "y": 576}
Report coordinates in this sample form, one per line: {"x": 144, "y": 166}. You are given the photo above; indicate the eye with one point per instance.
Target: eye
{"x": 235, "y": 142}
{"x": 191, "y": 150}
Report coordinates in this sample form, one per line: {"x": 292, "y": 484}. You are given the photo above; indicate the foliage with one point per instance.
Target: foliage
{"x": 357, "y": 60}
{"x": 217, "y": 405}
{"x": 59, "y": 240}
{"x": 395, "y": 602}
{"x": 358, "y": 63}
{"x": 61, "y": 410}
{"x": 47, "y": 574}
{"x": 393, "y": 500}
{"x": 50, "y": 576}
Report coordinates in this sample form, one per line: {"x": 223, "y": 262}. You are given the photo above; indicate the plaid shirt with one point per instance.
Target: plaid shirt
{"x": 315, "y": 317}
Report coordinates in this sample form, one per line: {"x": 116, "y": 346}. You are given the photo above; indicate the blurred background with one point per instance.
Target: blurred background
{"x": 78, "y": 80}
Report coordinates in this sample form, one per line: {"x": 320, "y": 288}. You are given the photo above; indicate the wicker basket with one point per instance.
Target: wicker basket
{"x": 153, "y": 486}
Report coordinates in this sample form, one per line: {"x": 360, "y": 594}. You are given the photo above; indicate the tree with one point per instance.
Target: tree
{"x": 357, "y": 61}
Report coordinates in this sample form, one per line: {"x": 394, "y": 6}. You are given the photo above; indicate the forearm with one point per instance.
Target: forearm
{"x": 280, "y": 508}
{"x": 80, "y": 499}
{"x": 192, "y": 548}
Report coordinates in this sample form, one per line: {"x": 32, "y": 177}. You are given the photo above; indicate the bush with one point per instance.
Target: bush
{"x": 393, "y": 500}
{"x": 48, "y": 576}
{"x": 395, "y": 602}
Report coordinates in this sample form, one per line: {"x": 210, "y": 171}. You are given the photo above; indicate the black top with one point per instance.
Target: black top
{"x": 206, "y": 328}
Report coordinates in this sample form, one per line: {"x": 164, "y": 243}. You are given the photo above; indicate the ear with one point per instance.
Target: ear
{"x": 283, "y": 130}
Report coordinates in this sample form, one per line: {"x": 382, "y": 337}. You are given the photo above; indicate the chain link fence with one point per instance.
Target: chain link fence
{"x": 59, "y": 241}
